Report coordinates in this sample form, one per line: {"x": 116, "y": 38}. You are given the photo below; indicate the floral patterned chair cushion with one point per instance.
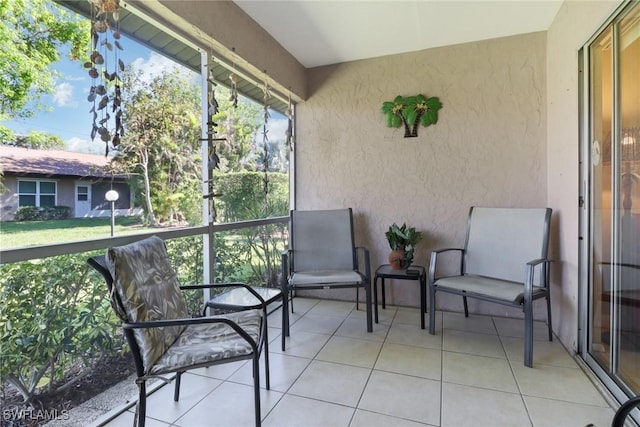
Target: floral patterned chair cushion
{"x": 149, "y": 290}
{"x": 209, "y": 342}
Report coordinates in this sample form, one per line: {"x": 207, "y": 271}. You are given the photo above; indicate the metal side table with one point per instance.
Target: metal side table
{"x": 414, "y": 272}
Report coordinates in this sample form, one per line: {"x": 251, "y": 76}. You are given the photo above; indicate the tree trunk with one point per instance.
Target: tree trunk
{"x": 416, "y": 123}
{"x": 144, "y": 157}
{"x": 407, "y": 129}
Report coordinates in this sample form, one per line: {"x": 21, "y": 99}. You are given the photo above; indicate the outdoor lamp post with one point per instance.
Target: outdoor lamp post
{"x": 111, "y": 196}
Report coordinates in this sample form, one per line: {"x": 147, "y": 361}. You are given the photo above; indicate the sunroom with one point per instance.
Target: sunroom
{"x": 533, "y": 115}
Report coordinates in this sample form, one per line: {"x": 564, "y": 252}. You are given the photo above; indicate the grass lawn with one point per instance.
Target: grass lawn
{"x": 32, "y": 233}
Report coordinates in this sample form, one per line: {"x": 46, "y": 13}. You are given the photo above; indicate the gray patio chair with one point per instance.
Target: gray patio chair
{"x": 504, "y": 261}
{"x": 146, "y": 296}
{"x": 624, "y": 410}
{"x": 620, "y": 417}
{"x": 322, "y": 255}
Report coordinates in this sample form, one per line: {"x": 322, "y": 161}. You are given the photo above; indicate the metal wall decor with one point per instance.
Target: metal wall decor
{"x": 411, "y": 111}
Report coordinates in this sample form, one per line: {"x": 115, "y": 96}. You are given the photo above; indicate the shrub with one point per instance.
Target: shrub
{"x": 252, "y": 255}
{"x": 42, "y": 213}
{"x": 54, "y": 314}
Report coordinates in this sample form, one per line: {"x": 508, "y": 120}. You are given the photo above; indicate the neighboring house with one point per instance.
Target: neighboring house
{"x": 60, "y": 178}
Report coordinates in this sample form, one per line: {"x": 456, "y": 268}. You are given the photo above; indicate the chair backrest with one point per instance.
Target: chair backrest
{"x": 147, "y": 289}
{"x": 322, "y": 240}
{"x": 99, "y": 263}
{"x": 500, "y": 241}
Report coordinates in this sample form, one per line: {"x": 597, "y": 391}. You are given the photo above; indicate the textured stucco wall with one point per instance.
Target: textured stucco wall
{"x": 488, "y": 147}
{"x": 574, "y": 24}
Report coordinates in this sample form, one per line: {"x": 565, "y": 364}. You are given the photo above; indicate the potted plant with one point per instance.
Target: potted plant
{"x": 402, "y": 240}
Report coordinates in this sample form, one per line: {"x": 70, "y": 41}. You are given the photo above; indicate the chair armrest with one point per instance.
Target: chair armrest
{"x": 223, "y": 286}
{"x": 433, "y": 263}
{"x": 287, "y": 261}
{"x": 362, "y": 254}
{"x": 530, "y": 274}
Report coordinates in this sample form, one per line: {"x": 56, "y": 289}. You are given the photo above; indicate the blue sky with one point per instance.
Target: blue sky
{"x": 70, "y": 118}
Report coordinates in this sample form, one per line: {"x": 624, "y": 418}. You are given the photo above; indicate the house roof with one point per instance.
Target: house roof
{"x": 26, "y": 161}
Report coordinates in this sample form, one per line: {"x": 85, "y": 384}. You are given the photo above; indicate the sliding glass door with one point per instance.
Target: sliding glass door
{"x": 613, "y": 127}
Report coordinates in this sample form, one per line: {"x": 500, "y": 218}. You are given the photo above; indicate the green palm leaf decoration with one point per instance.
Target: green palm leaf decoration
{"x": 411, "y": 111}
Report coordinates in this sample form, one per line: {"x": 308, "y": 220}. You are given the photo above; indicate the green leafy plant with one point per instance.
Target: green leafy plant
{"x": 53, "y": 317}
{"x": 42, "y": 213}
{"x": 403, "y": 237}
{"x": 411, "y": 111}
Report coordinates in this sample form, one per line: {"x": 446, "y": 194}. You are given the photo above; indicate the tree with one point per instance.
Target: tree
{"x": 162, "y": 143}
{"x": 36, "y": 140}
{"x": 32, "y": 36}
{"x": 238, "y": 126}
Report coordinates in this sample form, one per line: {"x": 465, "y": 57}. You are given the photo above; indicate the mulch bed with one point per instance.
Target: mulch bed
{"x": 78, "y": 386}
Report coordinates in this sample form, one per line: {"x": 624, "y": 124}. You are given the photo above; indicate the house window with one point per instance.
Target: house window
{"x": 83, "y": 193}
{"x": 37, "y": 193}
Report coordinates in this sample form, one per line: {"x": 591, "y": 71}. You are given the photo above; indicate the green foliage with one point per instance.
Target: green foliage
{"x": 32, "y": 36}
{"x": 186, "y": 258}
{"x": 53, "y": 314}
{"x": 7, "y": 136}
{"x": 42, "y": 213}
{"x": 3, "y": 188}
{"x": 38, "y": 141}
{"x": 242, "y": 196}
{"x": 251, "y": 255}
{"x": 56, "y": 314}
{"x": 403, "y": 237}
{"x": 238, "y": 127}
{"x": 162, "y": 143}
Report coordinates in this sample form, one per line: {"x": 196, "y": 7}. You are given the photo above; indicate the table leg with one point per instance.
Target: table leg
{"x": 375, "y": 297}
{"x": 384, "y": 297}
{"x": 423, "y": 299}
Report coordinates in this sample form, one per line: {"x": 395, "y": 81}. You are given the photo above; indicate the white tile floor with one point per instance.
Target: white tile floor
{"x": 333, "y": 373}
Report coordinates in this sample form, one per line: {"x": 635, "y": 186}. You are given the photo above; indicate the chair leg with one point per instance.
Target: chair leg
{"x": 256, "y": 388}
{"x": 141, "y": 407}
{"x": 266, "y": 359}
{"x": 367, "y": 289}
{"x": 432, "y": 309}
{"x": 549, "y": 315}
{"x": 466, "y": 306}
{"x": 528, "y": 333}
{"x": 285, "y": 320}
{"x": 285, "y": 311}
{"x": 176, "y": 391}
{"x": 291, "y": 301}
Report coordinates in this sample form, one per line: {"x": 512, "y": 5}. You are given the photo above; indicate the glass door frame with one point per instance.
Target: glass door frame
{"x": 586, "y": 199}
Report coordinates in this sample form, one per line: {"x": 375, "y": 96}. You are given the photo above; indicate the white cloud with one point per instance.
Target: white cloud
{"x": 63, "y": 96}
{"x": 157, "y": 65}
{"x": 277, "y": 131}
{"x": 80, "y": 145}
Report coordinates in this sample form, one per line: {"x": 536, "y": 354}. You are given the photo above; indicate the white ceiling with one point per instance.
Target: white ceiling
{"x": 321, "y": 32}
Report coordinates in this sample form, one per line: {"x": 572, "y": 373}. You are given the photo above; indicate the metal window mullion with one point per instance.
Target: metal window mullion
{"x": 616, "y": 192}
{"x": 208, "y": 238}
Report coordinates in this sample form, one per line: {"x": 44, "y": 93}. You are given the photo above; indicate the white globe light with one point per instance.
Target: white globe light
{"x": 111, "y": 196}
